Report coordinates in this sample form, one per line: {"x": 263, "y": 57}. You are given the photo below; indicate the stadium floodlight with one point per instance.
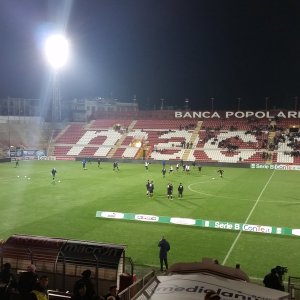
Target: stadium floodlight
{"x": 57, "y": 51}
{"x": 57, "y": 54}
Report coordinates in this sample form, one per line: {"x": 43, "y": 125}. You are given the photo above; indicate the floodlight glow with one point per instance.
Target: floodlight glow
{"x": 57, "y": 51}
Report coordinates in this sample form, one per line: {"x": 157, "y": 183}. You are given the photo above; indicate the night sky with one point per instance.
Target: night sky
{"x": 157, "y": 49}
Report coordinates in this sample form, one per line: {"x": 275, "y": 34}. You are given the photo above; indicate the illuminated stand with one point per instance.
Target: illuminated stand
{"x": 57, "y": 54}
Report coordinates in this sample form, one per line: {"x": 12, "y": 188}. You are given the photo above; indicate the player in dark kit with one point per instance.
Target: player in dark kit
{"x": 53, "y": 172}
{"x": 164, "y": 172}
{"x": 147, "y": 187}
{"x": 180, "y": 190}
{"x": 170, "y": 191}
{"x": 221, "y": 172}
{"x": 116, "y": 166}
{"x": 151, "y": 189}
{"x": 83, "y": 164}
{"x": 99, "y": 162}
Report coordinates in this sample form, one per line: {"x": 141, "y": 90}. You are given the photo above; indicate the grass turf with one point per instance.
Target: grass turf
{"x": 67, "y": 207}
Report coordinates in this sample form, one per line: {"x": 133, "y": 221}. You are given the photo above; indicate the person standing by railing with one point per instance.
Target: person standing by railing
{"x": 163, "y": 253}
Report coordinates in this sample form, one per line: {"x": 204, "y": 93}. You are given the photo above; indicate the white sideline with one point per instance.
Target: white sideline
{"x": 247, "y": 219}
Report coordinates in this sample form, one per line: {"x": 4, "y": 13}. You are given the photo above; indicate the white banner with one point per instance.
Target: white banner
{"x": 195, "y": 286}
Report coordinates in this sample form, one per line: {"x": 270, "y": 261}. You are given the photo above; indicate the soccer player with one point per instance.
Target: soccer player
{"x": 180, "y": 190}
{"x": 17, "y": 163}
{"x": 99, "y": 162}
{"x": 177, "y": 167}
{"x": 83, "y": 164}
{"x": 151, "y": 189}
{"x": 116, "y": 166}
{"x": 53, "y": 172}
{"x": 221, "y": 172}
{"x": 187, "y": 169}
{"x": 171, "y": 169}
{"x": 170, "y": 190}
{"x": 199, "y": 168}
{"x": 164, "y": 172}
{"x": 147, "y": 187}
{"x": 146, "y": 165}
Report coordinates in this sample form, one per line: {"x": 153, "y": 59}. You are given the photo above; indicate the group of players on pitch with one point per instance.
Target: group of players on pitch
{"x": 186, "y": 168}
{"x": 150, "y": 189}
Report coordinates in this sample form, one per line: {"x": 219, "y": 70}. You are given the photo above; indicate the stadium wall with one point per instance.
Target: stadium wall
{"x": 4, "y": 160}
{"x": 141, "y": 161}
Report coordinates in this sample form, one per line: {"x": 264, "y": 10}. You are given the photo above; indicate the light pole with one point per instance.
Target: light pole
{"x": 8, "y": 124}
{"x": 238, "y": 103}
{"x": 267, "y": 100}
{"x": 296, "y": 103}
{"x": 57, "y": 54}
{"x": 212, "y": 99}
{"x": 162, "y": 103}
{"x": 186, "y": 103}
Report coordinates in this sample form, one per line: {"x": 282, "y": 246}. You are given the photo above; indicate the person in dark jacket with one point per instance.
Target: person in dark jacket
{"x": 27, "y": 282}
{"x": 40, "y": 291}
{"x": 274, "y": 280}
{"x": 86, "y": 279}
{"x": 80, "y": 292}
{"x": 113, "y": 293}
{"x": 7, "y": 282}
{"x": 163, "y": 253}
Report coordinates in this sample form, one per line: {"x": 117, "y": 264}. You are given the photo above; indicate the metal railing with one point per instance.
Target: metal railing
{"x": 294, "y": 288}
{"x": 137, "y": 286}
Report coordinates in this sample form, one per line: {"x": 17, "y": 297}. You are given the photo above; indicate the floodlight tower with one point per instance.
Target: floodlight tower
{"x": 212, "y": 99}
{"x": 57, "y": 53}
{"x": 186, "y": 103}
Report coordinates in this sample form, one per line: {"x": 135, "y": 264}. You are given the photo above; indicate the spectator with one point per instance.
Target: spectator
{"x": 7, "y": 282}
{"x": 212, "y": 295}
{"x": 273, "y": 280}
{"x": 80, "y": 292}
{"x": 40, "y": 291}
{"x": 27, "y": 282}
{"x": 113, "y": 293}
{"x": 86, "y": 280}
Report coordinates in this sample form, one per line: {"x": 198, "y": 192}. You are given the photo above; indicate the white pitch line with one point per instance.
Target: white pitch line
{"x": 247, "y": 219}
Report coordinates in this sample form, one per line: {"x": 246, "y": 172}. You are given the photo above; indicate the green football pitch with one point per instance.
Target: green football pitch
{"x": 32, "y": 203}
